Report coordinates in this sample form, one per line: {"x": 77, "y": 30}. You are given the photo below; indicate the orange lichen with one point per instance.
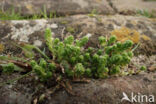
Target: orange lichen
{"x": 126, "y": 34}
{"x": 1, "y": 48}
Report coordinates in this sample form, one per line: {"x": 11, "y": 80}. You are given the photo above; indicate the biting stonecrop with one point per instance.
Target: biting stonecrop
{"x": 76, "y": 61}
{"x": 43, "y": 70}
{"x": 74, "y": 58}
{"x": 10, "y": 68}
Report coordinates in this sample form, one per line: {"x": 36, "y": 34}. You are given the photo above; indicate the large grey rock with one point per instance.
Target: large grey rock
{"x": 65, "y": 7}
{"x": 32, "y": 31}
{"x": 133, "y": 5}
{"x": 104, "y": 91}
{"x": 109, "y": 91}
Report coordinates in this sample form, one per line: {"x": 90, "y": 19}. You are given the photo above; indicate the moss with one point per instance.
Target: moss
{"x": 70, "y": 29}
{"x": 64, "y": 22}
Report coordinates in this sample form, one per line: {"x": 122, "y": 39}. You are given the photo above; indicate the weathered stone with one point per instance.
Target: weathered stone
{"x": 63, "y": 7}
{"x": 10, "y": 95}
{"x": 32, "y": 31}
{"x": 104, "y": 91}
{"x": 109, "y": 91}
{"x": 130, "y": 6}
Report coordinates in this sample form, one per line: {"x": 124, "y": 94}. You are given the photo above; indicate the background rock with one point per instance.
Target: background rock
{"x": 131, "y": 6}
{"x": 106, "y": 91}
{"x": 32, "y": 31}
{"x": 63, "y": 7}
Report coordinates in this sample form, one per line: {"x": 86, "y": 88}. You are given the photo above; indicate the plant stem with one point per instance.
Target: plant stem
{"x": 135, "y": 47}
{"x": 16, "y": 79}
{"x": 44, "y": 55}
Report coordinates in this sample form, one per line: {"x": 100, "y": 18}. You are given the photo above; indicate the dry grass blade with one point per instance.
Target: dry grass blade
{"x": 78, "y": 80}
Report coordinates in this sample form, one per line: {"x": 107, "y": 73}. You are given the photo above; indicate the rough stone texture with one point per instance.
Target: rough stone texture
{"x": 65, "y": 7}
{"x": 133, "y": 5}
{"x": 32, "y": 31}
{"x": 106, "y": 91}
{"x": 12, "y": 94}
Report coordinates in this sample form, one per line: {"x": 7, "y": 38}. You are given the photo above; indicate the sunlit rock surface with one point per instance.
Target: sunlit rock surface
{"x": 63, "y": 7}
{"x": 131, "y": 6}
{"x": 106, "y": 91}
{"x": 139, "y": 29}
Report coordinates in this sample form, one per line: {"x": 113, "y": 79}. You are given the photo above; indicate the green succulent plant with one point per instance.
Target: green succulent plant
{"x": 8, "y": 68}
{"x": 143, "y": 68}
{"x": 43, "y": 70}
{"x": 71, "y": 58}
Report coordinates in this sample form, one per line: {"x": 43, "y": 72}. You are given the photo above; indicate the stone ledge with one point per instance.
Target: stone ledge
{"x": 105, "y": 91}
{"x": 63, "y": 7}
{"x": 32, "y": 31}
{"x": 109, "y": 91}
{"x": 130, "y": 6}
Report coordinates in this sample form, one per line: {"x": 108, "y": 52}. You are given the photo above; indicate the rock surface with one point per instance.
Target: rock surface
{"x": 106, "y": 91}
{"x": 32, "y": 31}
{"x": 68, "y": 7}
{"x": 123, "y": 6}
{"x": 63, "y": 7}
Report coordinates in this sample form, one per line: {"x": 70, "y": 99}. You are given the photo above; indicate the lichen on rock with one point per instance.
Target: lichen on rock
{"x": 125, "y": 33}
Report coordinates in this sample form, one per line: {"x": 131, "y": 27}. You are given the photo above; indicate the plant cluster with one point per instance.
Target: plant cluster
{"x": 43, "y": 70}
{"x": 146, "y": 13}
{"x": 143, "y": 68}
{"x": 10, "y": 68}
{"x": 76, "y": 59}
{"x": 12, "y": 15}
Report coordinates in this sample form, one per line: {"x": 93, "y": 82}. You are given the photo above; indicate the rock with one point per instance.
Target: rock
{"x": 104, "y": 91}
{"x": 61, "y": 7}
{"x": 11, "y": 94}
{"x": 108, "y": 91}
{"x": 32, "y": 31}
{"x": 12, "y": 97}
{"x": 131, "y": 6}
{"x": 152, "y": 68}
